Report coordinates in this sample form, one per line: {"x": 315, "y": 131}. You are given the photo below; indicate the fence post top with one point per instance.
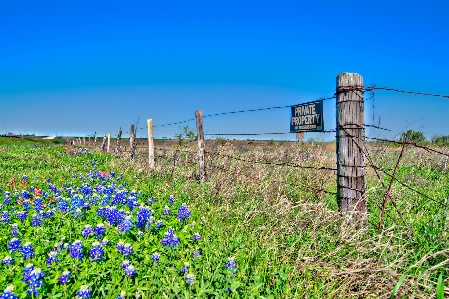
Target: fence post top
{"x": 349, "y": 79}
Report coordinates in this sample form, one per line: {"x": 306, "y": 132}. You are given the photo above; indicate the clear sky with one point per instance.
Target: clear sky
{"x": 79, "y": 67}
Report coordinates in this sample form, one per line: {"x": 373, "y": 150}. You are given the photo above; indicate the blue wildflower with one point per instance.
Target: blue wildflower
{"x": 35, "y": 281}
{"x": 84, "y": 292}
{"x": 185, "y": 268}
{"x": 27, "y": 204}
{"x": 190, "y": 278}
{"x": 5, "y": 217}
{"x": 7, "y": 260}
{"x": 125, "y": 225}
{"x": 166, "y": 210}
{"x": 184, "y": 212}
{"x": 62, "y": 205}
{"x": 120, "y": 246}
{"x": 96, "y": 252}
{"x": 99, "y": 230}
{"x": 142, "y": 216}
{"x": 156, "y": 257}
{"x": 87, "y": 231}
{"x": 122, "y": 295}
{"x": 25, "y": 194}
{"x": 22, "y": 215}
{"x": 8, "y": 293}
{"x": 52, "y": 257}
{"x": 14, "y": 244}
{"x": 231, "y": 265}
{"x": 125, "y": 264}
{"x": 26, "y": 272}
{"x": 130, "y": 271}
{"x": 196, "y": 253}
{"x": 38, "y": 204}
{"x": 171, "y": 199}
{"x": 27, "y": 251}
{"x": 197, "y": 236}
{"x": 170, "y": 239}
{"x": 66, "y": 275}
{"x": 159, "y": 224}
{"x": 127, "y": 249}
{"x": 14, "y": 230}
{"x": 76, "y": 249}
{"x": 36, "y": 220}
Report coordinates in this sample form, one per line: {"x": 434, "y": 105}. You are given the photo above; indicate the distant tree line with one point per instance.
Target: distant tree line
{"x": 419, "y": 138}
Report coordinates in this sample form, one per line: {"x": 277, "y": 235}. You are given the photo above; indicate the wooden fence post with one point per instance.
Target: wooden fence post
{"x": 95, "y": 139}
{"x": 201, "y": 158}
{"x": 84, "y": 141}
{"x": 117, "y": 144}
{"x": 103, "y": 143}
{"x": 109, "y": 141}
{"x": 351, "y": 165}
{"x": 150, "y": 144}
{"x": 131, "y": 143}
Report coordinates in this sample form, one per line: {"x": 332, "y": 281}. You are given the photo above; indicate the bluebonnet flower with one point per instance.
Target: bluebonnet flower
{"x": 38, "y": 204}
{"x": 48, "y": 180}
{"x": 27, "y": 204}
{"x": 130, "y": 271}
{"x": 7, "y": 260}
{"x": 203, "y": 220}
{"x": 171, "y": 199}
{"x": 84, "y": 292}
{"x": 24, "y": 178}
{"x": 27, "y": 251}
{"x": 151, "y": 200}
{"x": 99, "y": 230}
{"x": 159, "y": 224}
{"x": 185, "y": 268}
{"x": 127, "y": 249}
{"x": 52, "y": 188}
{"x": 190, "y": 278}
{"x": 52, "y": 257}
{"x": 104, "y": 242}
{"x": 77, "y": 213}
{"x": 62, "y": 205}
{"x": 140, "y": 233}
{"x": 86, "y": 189}
{"x": 142, "y": 216}
{"x": 6, "y": 201}
{"x": 76, "y": 249}
{"x": 25, "y": 194}
{"x": 122, "y": 295}
{"x": 231, "y": 265}
{"x": 132, "y": 202}
{"x": 184, "y": 212}
{"x": 48, "y": 214}
{"x": 14, "y": 244}
{"x": 66, "y": 275}
{"x": 5, "y": 217}
{"x": 197, "y": 236}
{"x": 166, "y": 210}
{"x": 112, "y": 174}
{"x": 36, "y": 220}
{"x": 120, "y": 246}
{"x": 125, "y": 264}
{"x": 22, "y": 215}
{"x": 34, "y": 281}
{"x": 196, "y": 253}
{"x": 8, "y": 293}
{"x": 156, "y": 257}
{"x": 96, "y": 252}
{"x": 170, "y": 239}
{"x": 14, "y": 230}
{"x": 87, "y": 230}
{"x": 125, "y": 225}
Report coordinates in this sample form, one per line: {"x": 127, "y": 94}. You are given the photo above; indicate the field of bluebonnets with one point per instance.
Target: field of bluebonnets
{"x": 82, "y": 224}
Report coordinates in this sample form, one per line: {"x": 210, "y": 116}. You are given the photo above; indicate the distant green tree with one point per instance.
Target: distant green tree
{"x": 440, "y": 139}
{"x": 186, "y": 134}
{"x": 413, "y": 136}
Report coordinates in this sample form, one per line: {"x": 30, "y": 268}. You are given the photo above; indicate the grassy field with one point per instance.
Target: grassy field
{"x": 279, "y": 224}
{"x": 27, "y": 141}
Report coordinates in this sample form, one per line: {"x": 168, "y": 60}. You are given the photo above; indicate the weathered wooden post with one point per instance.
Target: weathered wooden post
{"x": 109, "y": 141}
{"x": 95, "y": 139}
{"x": 84, "y": 141}
{"x": 117, "y": 144}
{"x": 132, "y": 143}
{"x": 351, "y": 165}
{"x": 201, "y": 158}
{"x": 150, "y": 144}
{"x": 103, "y": 143}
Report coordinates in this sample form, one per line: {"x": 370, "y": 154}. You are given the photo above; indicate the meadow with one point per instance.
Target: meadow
{"x": 77, "y": 222}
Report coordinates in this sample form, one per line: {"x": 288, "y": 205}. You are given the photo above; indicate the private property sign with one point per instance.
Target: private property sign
{"x": 307, "y": 117}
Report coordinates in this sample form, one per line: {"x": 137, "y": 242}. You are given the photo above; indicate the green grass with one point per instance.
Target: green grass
{"x": 27, "y": 141}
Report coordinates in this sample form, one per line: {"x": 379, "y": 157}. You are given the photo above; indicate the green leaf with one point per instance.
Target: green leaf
{"x": 398, "y": 285}
{"x": 440, "y": 287}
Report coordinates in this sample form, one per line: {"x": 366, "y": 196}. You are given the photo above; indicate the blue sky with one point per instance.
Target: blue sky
{"x": 79, "y": 67}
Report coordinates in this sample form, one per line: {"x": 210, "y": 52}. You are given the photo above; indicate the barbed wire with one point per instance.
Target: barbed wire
{"x": 374, "y": 87}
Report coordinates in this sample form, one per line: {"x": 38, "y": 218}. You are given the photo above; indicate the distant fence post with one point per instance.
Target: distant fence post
{"x": 117, "y": 144}
{"x": 95, "y": 139}
{"x": 103, "y": 143}
{"x": 84, "y": 141}
{"x": 351, "y": 165}
{"x": 131, "y": 143}
{"x": 109, "y": 141}
{"x": 150, "y": 144}
{"x": 201, "y": 158}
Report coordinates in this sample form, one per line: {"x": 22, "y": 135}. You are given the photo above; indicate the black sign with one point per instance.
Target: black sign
{"x": 307, "y": 117}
